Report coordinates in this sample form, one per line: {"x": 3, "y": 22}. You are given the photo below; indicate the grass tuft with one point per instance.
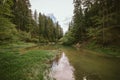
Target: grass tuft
{"x": 28, "y": 66}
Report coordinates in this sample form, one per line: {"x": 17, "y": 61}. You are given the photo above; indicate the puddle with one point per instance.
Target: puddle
{"x": 61, "y": 69}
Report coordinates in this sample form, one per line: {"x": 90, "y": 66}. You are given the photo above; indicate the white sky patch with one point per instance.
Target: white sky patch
{"x": 61, "y": 9}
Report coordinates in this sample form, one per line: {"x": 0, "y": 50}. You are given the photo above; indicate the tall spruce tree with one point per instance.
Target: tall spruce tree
{"x": 96, "y": 20}
{"x": 7, "y": 28}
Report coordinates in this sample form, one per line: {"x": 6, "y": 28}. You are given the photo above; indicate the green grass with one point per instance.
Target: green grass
{"x": 110, "y": 50}
{"x": 16, "y": 46}
{"x": 28, "y": 66}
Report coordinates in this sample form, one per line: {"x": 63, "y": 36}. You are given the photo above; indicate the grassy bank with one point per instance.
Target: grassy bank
{"x": 108, "y": 50}
{"x": 28, "y": 66}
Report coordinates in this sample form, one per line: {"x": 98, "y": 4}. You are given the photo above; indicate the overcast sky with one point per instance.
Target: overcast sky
{"x": 61, "y": 9}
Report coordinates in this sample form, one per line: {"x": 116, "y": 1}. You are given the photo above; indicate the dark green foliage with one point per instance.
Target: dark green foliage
{"x": 7, "y": 28}
{"x": 17, "y": 24}
{"x": 96, "y": 20}
{"x": 49, "y": 31}
{"x": 68, "y": 39}
{"x": 22, "y": 15}
{"x": 7, "y": 31}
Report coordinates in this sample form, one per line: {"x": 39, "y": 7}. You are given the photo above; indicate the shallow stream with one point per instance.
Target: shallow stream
{"x": 82, "y": 64}
{"x": 61, "y": 69}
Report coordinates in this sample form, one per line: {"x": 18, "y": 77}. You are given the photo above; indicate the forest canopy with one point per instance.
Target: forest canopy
{"x": 96, "y": 21}
{"x": 17, "y": 23}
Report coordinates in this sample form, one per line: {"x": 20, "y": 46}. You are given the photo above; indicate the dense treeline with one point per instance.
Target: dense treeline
{"x": 7, "y": 28}
{"x": 48, "y": 31}
{"x": 95, "y": 20}
{"x": 18, "y": 24}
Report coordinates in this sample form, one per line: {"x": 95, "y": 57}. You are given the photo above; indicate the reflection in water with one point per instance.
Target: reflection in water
{"x": 93, "y": 66}
{"x": 84, "y": 78}
{"x": 88, "y": 65}
{"x": 61, "y": 69}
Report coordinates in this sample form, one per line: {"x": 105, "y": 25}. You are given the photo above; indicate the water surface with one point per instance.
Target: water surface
{"x": 61, "y": 69}
{"x": 93, "y": 66}
{"x": 83, "y": 64}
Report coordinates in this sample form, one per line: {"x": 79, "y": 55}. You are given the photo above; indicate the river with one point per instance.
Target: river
{"x": 81, "y": 64}
{"x": 61, "y": 69}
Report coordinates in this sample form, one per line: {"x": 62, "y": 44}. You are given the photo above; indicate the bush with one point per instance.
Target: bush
{"x": 68, "y": 39}
{"x": 24, "y": 36}
{"x": 35, "y": 40}
{"x": 7, "y": 31}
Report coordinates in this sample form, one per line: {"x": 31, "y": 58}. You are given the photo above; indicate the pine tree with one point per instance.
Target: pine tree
{"x": 7, "y": 28}
{"x": 22, "y": 15}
